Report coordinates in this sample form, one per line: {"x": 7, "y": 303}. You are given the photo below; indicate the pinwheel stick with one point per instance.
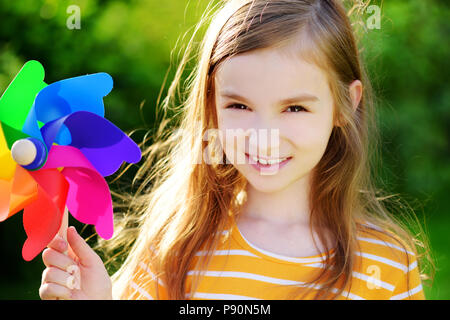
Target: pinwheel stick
{"x": 73, "y": 282}
{"x": 64, "y": 225}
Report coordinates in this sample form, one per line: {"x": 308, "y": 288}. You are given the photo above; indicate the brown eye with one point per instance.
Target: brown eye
{"x": 236, "y": 106}
{"x": 297, "y": 108}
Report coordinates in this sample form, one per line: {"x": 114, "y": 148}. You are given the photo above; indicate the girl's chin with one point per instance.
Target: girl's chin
{"x": 265, "y": 187}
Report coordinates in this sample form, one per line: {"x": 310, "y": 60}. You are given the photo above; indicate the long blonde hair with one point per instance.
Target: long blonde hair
{"x": 182, "y": 203}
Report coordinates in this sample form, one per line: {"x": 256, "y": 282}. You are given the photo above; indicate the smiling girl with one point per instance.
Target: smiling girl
{"x": 298, "y": 217}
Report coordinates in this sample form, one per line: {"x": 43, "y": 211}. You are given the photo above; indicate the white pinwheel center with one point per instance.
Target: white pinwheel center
{"x": 23, "y": 152}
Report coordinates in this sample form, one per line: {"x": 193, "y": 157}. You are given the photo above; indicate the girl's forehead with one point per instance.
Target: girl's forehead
{"x": 270, "y": 69}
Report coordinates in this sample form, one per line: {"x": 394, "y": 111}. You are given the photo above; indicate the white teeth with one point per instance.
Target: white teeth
{"x": 275, "y": 161}
{"x": 270, "y": 162}
{"x": 262, "y": 161}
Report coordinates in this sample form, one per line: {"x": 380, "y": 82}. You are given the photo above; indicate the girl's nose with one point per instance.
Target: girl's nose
{"x": 263, "y": 142}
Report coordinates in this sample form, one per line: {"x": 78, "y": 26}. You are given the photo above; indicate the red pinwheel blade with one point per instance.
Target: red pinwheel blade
{"x": 42, "y": 218}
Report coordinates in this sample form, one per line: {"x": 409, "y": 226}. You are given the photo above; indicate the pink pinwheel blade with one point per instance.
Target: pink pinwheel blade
{"x": 89, "y": 199}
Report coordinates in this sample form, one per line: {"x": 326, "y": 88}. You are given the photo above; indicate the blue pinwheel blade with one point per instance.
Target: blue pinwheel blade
{"x": 59, "y": 99}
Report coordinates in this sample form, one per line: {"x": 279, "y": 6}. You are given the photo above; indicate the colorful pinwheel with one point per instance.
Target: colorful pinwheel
{"x": 56, "y": 147}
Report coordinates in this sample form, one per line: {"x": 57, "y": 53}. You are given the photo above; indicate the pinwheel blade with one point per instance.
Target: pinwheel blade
{"x": 17, "y": 187}
{"x": 42, "y": 218}
{"x": 5, "y": 196}
{"x": 12, "y": 135}
{"x": 24, "y": 190}
{"x": 59, "y": 99}
{"x": 89, "y": 199}
{"x": 7, "y": 164}
{"x": 17, "y": 193}
{"x": 18, "y": 98}
{"x": 104, "y": 144}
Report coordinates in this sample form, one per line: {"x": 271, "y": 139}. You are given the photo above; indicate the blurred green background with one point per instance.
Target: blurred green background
{"x": 135, "y": 42}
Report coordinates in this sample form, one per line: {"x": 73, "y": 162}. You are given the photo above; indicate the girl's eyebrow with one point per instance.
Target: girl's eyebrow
{"x": 300, "y": 97}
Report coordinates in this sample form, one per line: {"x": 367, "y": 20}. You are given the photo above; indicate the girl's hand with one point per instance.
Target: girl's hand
{"x": 79, "y": 275}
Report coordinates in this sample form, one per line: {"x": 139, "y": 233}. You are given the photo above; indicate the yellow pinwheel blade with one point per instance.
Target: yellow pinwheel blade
{"x": 7, "y": 163}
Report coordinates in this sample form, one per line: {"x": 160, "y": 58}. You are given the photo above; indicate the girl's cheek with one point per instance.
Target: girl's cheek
{"x": 308, "y": 130}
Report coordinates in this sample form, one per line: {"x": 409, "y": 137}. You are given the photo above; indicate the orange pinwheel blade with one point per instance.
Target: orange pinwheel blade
{"x": 5, "y": 195}
{"x": 24, "y": 191}
{"x": 17, "y": 193}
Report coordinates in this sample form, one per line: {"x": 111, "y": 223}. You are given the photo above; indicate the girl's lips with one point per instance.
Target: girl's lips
{"x": 267, "y": 158}
{"x": 267, "y": 168}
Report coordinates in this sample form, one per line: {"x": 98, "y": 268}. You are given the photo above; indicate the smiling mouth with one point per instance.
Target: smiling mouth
{"x": 267, "y": 162}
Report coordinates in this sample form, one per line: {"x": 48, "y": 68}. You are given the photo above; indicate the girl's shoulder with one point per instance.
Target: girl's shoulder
{"x": 385, "y": 247}
{"x": 389, "y": 263}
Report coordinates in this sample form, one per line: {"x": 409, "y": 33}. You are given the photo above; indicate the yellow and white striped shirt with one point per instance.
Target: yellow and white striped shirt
{"x": 239, "y": 270}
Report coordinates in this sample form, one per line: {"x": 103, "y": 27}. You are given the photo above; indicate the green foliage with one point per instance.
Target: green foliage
{"x": 133, "y": 41}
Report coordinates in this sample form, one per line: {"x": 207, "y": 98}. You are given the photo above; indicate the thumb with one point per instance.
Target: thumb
{"x": 86, "y": 256}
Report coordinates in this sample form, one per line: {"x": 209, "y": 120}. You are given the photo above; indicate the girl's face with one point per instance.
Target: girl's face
{"x": 268, "y": 92}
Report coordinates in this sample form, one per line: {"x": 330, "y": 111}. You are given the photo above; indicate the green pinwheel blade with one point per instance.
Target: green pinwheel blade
{"x": 12, "y": 135}
{"x": 18, "y": 98}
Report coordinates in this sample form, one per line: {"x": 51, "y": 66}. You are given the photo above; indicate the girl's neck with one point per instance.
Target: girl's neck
{"x": 284, "y": 207}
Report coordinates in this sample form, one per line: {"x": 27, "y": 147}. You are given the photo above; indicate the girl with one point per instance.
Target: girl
{"x": 228, "y": 215}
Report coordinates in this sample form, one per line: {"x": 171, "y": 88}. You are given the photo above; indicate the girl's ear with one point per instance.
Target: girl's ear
{"x": 356, "y": 93}
{"x": 355, "y": 90}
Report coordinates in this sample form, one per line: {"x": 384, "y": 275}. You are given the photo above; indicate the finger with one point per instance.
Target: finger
{"x": 58, "y": 244}
{"x": 58, "y": 276}
{"x": 86, "y": 256}
{"x": 53, "y": 258}
{"x": 49, "y": 291}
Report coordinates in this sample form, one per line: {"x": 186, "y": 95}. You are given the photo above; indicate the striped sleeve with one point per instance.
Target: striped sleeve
{"x": 144, "y": 284}
{"x": 409, "y": 286}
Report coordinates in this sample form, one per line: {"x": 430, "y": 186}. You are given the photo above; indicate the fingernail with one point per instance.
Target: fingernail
{"x": 73, "y": 282}
{"x": 70, "y": 282}
{"x": 61, "y": 242}
{"x": 72, "y": 268}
